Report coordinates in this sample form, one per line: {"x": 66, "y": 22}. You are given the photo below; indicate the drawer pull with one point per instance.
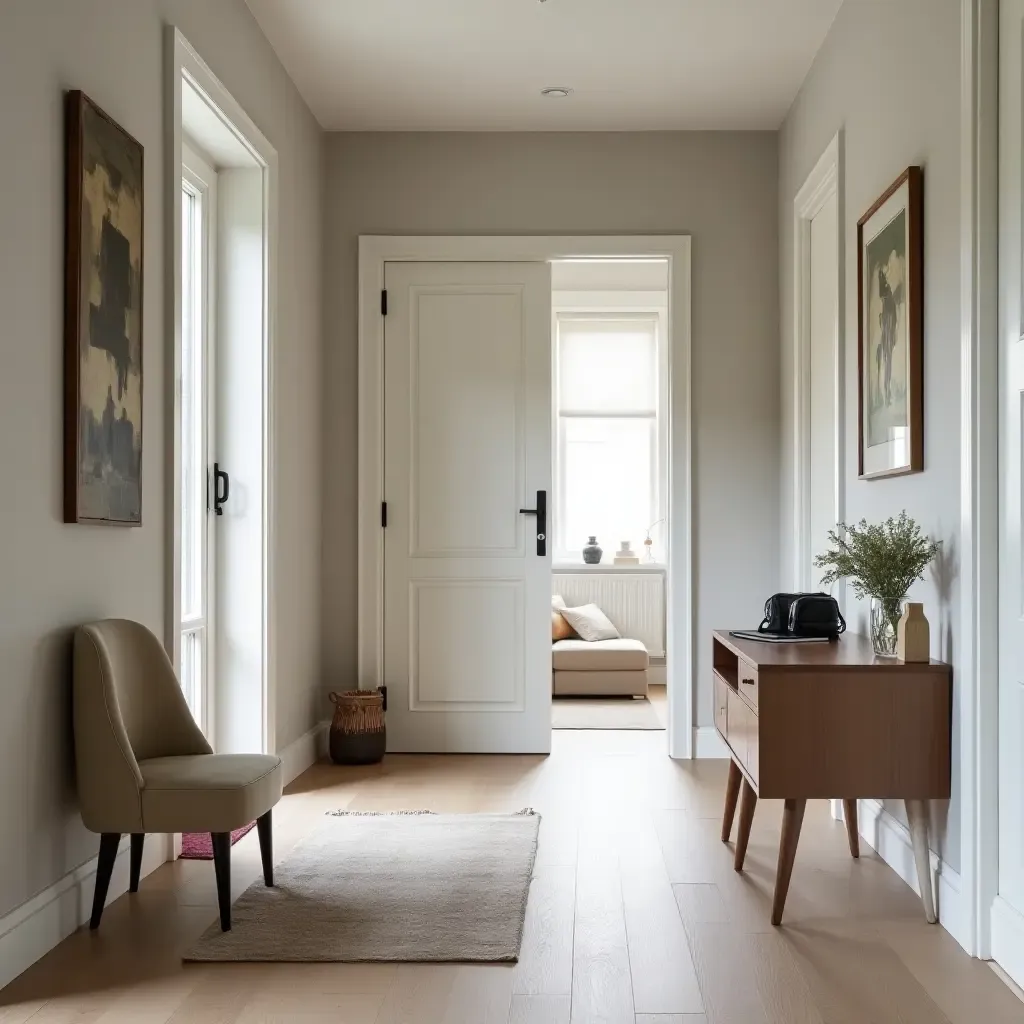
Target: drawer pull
{"x": 747, "y": 682}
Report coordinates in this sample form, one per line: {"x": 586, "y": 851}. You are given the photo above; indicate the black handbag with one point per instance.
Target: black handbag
{"x": 811, "y": 615}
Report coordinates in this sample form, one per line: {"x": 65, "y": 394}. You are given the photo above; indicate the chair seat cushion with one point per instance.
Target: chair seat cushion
{"x": 208, "y": 792}
{"x": 620, "y": 655}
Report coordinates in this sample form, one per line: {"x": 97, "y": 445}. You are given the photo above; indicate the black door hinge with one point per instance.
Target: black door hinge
{"x": 384, "y": 515}
{"x": 384, "y": 696}
{"x": 384, "y": 302}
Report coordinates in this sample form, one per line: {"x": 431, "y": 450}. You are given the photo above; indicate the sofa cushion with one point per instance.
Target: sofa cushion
{"x": 590, "y": 623}
{"x": 619, "y": 655}
{"x": 599, "y": 684}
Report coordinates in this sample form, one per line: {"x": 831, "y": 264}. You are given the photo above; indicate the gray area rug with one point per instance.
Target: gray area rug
{"x": 604, "y": 713}
{"x": 389, "y": 887}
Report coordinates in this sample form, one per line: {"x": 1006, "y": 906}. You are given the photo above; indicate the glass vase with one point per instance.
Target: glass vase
{"x": 885, "y": 617}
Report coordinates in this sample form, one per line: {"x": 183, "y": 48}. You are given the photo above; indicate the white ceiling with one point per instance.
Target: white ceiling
{"x": 477, "y": 65}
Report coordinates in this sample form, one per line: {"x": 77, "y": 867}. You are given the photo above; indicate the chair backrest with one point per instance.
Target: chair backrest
{"x": 128, "y": 707}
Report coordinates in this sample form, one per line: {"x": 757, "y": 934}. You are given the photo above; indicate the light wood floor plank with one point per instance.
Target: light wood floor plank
{"x": 540, "y": 1009}
{"x": 545, "y": 960}
{"x": 671, "y": 1018}
{"x": 601, "y": 986}
{"x": 855, "y": 976}
{"x": 955, "y": 982}
{"x": 726, "y": 963}
{"x": 664, "y": 979}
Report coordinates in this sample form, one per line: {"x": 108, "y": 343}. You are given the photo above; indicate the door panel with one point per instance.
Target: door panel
{"x": 1008, "y": 946}
{"x": 467, "y": 636}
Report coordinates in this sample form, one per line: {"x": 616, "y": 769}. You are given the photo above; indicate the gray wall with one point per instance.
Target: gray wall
{"x": 719, "y": 187}
{"x": 906, "y": 114}
{"x": 53, "y": 575}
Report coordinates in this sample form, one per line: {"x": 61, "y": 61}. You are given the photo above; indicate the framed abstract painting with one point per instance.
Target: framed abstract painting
{"x": 890, "y": 286}
{"x": 102, "y": 319}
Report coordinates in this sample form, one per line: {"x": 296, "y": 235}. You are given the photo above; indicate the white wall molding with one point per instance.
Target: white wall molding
{"x": 375, "y": 251}
{"x": 890, "y": 839}
{"x": 30, "y": 931}
{"x": 708, "y": 743}
{"x": 824, "y": 182}
{"x": 1008, "y": 939}
{"x": 304, "y": 752}
{"x": 977, "y": 669}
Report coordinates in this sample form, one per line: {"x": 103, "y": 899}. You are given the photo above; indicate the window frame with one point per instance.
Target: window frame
{"x": 612, "y": 305}
{"x": 199, "y": 179}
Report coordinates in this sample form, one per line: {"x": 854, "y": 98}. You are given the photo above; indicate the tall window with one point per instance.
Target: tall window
{"x": 609, "y": 445}
{"x": 196, "y": 209}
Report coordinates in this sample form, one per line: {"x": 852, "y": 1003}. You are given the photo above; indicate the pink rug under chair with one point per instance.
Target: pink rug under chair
{"x": 199, "y": 846}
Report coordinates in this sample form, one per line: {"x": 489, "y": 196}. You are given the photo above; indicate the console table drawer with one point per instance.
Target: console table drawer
{"x": 747, "y": 680}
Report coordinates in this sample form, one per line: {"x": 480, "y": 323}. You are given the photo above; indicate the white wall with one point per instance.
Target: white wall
{"x": 721, "y": 187}
{"x": 53, "y": 575}
{"x": 892, "y": 83}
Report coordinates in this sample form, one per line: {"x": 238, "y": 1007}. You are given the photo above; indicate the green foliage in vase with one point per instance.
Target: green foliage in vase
{"x": 882, "y": 560}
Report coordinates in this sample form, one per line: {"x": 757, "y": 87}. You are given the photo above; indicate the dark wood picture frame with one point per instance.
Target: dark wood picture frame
{"x": 913, "y": 179}
{"x": 80, "y": 113}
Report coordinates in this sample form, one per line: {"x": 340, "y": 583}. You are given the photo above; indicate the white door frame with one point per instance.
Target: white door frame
{"x": 377, "y": 250}
{"x": 977, "y": 673}
{"x": 822, "y": 184}
{"x": 183, "y": 63}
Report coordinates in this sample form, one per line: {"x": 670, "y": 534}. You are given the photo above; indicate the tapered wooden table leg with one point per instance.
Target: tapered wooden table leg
{"x": 852, "y": 831}
{"x": 917, "y": 815}
{"x": 748, "y": 801}
{"x": 732, "y": 792}
{"x": 792, "y": 820}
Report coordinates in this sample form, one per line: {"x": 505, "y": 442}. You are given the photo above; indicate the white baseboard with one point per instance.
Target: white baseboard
{"x": 304, "y": 752}
{"x": 890, "y": 839}
{"x": 30, "y": 931}
{"x": 1008, "y": 939}
{"x": 707, "y": 743}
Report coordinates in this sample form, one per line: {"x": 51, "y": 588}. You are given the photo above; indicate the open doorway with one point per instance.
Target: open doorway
{"x": 456, "y": 463}
{"x": 223, "y": 222}
{"x": 611, "y": 418}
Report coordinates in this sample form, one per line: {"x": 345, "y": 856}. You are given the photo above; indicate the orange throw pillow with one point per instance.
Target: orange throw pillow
{"x": 560, "y": 629}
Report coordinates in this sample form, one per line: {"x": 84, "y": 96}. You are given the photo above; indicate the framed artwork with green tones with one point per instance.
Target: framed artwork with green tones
{"x": 890, "y": 287}
{"x": 102, "y": 319}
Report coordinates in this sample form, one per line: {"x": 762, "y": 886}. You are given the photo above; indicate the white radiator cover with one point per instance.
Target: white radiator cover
{"x": 635, "y": 602}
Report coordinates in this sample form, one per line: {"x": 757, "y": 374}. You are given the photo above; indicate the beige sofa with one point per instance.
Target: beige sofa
{"x": 599, "y": 668}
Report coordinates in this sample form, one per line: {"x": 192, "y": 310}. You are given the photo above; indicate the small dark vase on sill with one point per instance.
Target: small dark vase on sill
{"x": 592, "y": 552}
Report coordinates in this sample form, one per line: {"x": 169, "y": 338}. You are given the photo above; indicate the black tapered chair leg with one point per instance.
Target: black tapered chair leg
{"x": 104, "y": 868}
{"x": 264, "y": 826}
{"x": 138, "y": 841}
{"x": 222, "y": 868}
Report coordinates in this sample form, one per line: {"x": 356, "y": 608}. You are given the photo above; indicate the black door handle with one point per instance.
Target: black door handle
{"x": 541, "y": 512}
{"x": 220, "y": 497}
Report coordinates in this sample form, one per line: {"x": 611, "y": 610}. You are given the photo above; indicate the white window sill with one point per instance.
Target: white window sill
{"x": 579, "y": 567}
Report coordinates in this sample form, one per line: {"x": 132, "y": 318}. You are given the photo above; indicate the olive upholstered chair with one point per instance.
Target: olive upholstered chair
{"x": 143, "y": 765}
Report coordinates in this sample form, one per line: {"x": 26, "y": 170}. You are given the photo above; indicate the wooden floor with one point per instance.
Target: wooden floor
{"x": 635, "y": 917}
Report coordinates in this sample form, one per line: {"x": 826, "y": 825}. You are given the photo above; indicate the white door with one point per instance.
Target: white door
{"x": 467, "y": 423}
{"x": 823, "y": 377}
{"x": 1008, "y": 911}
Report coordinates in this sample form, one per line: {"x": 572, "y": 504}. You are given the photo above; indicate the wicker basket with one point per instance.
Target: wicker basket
{"x": 357, "y": 729}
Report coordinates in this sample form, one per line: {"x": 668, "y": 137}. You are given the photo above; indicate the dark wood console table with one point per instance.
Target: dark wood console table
{"x": 807, "y": 721}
